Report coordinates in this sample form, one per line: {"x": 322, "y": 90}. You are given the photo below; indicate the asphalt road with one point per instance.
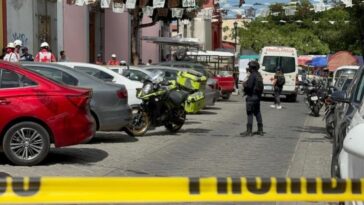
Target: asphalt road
{"x": 208, "y": 145}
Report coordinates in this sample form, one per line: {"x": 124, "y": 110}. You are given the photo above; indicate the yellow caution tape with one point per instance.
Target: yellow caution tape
{"x": 175, "y": 189}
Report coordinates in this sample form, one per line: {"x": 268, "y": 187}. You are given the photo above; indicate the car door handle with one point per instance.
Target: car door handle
{"x": 4, "y": 102}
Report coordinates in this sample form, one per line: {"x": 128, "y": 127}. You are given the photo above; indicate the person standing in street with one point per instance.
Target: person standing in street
{"x": 10, "y": 53}
{"x": 26, "y": 56}
{"x": 44, "y": 55}
{"x": 18, "y": 44}
{"x": 278, "y": 82}
{"x": 99, "y": 60}
{"x": 62, "y": 57}
{"x": 253, "y": 89}
{"x": 113, "y": 60}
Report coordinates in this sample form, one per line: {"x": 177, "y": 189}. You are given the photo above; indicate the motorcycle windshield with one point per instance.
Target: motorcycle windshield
{"x": 156, "y": 77}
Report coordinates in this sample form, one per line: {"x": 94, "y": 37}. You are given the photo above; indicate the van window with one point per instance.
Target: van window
{"x": 344, "y": 71}
{"x": 287, "y": 64}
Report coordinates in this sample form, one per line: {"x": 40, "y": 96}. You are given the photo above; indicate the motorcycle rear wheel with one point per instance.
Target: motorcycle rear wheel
{"x": 177, "y": 121}
{"x": 139, "y": 124}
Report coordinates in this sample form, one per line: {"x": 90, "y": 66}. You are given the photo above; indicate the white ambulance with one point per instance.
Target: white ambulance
{"x": 286, "y": 58}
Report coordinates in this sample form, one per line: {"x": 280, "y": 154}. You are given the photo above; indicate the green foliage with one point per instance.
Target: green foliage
{"x": 309, "y": 38}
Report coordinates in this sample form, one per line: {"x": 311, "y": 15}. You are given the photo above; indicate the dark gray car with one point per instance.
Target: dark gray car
{"x": 109, "y": 103}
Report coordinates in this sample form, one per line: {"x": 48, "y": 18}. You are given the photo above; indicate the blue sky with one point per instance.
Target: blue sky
{"x": 233, "y": 4}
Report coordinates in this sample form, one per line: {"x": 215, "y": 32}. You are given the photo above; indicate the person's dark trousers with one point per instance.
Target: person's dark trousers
{"x": 253, "y": 109}
{"x": 277, "y": 94}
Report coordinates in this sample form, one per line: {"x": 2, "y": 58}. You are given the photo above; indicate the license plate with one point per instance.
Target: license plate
{"x": 268, "y": 87}
{"x": 314, "y": 98}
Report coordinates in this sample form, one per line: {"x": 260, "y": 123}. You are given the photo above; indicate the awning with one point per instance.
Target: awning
{"x": 188, "y": 42}
{"x": 304, "y": 60}
{"x": 210, "y": 53}
{"x": 340, "y": 59}
{"x": 319, "y": 62}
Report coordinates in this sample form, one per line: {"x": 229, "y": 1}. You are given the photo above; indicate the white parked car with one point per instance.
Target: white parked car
{"x": 351, "y": 158}
{"x": 107, "y": 74}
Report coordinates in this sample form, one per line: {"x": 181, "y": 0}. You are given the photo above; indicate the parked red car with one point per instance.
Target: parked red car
{"x": 36, "y": 112}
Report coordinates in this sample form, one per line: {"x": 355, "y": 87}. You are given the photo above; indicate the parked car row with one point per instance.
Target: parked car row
{"x": 348, "y": 124}
{"x": 65, "y": 103}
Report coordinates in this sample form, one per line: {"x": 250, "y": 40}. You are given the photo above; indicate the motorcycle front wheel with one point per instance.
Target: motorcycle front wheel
{"x": 178, "y": 118}
{"x": 316, "y": 110}
{"x": 139, "y": 124}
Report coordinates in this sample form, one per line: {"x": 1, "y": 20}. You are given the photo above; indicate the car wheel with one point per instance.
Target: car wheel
{"x": 26, "y": 143}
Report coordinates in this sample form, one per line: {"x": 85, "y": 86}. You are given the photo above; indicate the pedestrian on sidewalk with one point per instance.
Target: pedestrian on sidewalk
{"x": 63, "y": 57}
{"x": 10, "y": 53}
{"x": 44, "y": 55}
{"x": 253, "y": 89}
{"x": 99, "y": 60}
{"x": 18, "y": 44}
{"x": 278, "y": 83}
{"x": 26, "y": 56}
{"x": 113, "y": 60}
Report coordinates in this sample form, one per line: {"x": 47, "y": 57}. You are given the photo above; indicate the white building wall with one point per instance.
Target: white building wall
{"x": 20, "y": 20}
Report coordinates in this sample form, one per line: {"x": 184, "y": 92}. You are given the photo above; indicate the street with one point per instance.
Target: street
{"x": 209, "y": 144}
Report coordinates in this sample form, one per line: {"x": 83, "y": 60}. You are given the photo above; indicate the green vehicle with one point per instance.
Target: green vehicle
{"x": 162, "y": 105}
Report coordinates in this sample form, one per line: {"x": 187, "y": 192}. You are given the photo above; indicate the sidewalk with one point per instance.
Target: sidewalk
{"x": 312, "y": 157}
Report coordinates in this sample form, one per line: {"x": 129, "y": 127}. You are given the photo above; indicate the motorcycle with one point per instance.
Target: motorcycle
{"x": 314, "y": 99}
{"x": 162, "y": 105}
{"x": 330, "y": 113}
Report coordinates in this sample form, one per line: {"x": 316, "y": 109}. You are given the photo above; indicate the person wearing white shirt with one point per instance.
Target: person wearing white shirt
{"x": 11, "y": 56}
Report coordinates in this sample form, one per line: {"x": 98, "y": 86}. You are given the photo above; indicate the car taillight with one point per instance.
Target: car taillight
{"x": 123, "y": 93}
{"x": 81, "y": 101}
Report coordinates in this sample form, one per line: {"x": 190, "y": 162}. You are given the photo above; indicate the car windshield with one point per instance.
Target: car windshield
{"x": 344, "y": 72}
{"x": 360, "y": 90}
{"x": 271, "y": 63}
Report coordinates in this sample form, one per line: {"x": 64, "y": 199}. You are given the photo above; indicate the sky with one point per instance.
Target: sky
{"x": 233, "y": 5}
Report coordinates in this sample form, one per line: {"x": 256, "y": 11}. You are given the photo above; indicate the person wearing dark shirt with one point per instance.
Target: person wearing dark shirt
{"x": 26, "y": 56}
{"x": 253, "y": 97}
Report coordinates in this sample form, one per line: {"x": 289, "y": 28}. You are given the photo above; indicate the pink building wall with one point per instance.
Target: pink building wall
{"x": 150, "y": 50}
{"x": 75, "y": 32}
{"x": 117, "y": 35}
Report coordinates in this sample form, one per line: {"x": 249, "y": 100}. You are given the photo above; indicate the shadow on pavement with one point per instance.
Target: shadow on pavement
{"x": 310, "y": 129}
{"x": 204, "y": 112}
{"x": 182, "y": 131}
{"x": 192, "y": 122}
{"x": 112, "y": 137}
{"x": 75, "y": 156}
{"x": 212, "y": 108}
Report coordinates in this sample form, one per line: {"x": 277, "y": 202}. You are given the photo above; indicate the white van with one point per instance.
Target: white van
{"x": 348, "y": 69}
{"x": 286, "y": 58}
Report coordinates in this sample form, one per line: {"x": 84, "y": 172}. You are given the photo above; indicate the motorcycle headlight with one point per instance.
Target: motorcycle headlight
{"x": 147, "y": 88}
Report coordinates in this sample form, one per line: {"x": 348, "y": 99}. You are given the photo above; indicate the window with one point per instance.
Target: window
{"x": 287, "y": 64}
{"x": 170, "y": 74}
{"x": 10, "y": 79}
{"x": 135, "y": 75}
{"x": 344, "y": 71}
{"x": 55, "y": 75}
{"x": 360, "y": 90}
{"x": 96, "y": 73}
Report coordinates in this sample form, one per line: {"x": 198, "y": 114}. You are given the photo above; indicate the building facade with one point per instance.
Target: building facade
{"x": 81, "y": 31}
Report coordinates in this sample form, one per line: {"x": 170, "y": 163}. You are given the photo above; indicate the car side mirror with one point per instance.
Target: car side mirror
{"x": 354, "y": 141}
{"x": 340, "y": 96}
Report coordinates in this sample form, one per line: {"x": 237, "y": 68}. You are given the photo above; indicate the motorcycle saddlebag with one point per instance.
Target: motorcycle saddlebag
{"x": 195, "y": 102}
{"x": 178, "y": 96}
{"x": 191, "y": 80}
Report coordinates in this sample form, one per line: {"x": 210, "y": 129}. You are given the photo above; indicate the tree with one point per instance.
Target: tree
{"x": 357, "y": 19}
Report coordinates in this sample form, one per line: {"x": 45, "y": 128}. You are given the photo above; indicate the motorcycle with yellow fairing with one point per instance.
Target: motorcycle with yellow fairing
{"x": 162, "y": 105}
